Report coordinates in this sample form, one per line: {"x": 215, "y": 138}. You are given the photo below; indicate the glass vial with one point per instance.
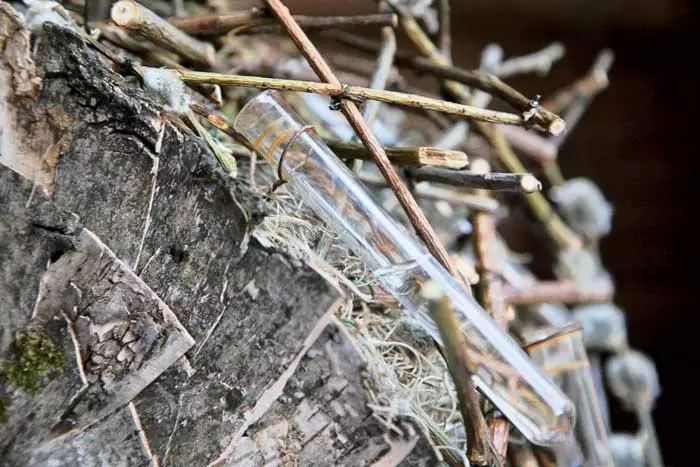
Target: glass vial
{"x": 504, "y": 372}
{"x": 561, "y": 354}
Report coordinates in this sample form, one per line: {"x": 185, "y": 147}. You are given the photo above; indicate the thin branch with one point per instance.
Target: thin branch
{"x": 416, "y": 156}
{"x": 484, "y": 81}
{"x": 564, "y": 237}
{"x": 444, "y": 39}
{"x": 132, "y": 16}
{"x": 336, "y": 89}
{"x": 489, "y": 290}
{"x": 456, "y": 198}
{"x": 538, "y": 62}
{"x": 352, "y": 113}
{"x": 564, "y": 291}
{"x": 522, "y": 183}
{"x": 530, "y": 144}
{"x": 254, "y": 21}
{"x": 461, "y": 368}
{"x": 599, "y": 74}
{"x": 583, "y": 88}
{"x": 385, "y": 63}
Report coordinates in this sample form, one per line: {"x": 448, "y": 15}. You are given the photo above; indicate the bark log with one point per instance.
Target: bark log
{"x": 141, "y": 323}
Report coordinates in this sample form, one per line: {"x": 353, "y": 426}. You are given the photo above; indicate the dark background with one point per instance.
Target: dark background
{"x": 637, "y": 141}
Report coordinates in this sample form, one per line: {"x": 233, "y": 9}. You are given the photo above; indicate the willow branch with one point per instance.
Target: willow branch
{"x": 357, "y": 93}
{"x": 417, "y": 156}
{"x": 461, "y": 369}
{"x": 521, "y": 183}
{"x": 598, "y": 78}
{"x": 254, "y": 20}
{"x": 564, "y": 291}
{"x": 451, "y": 196}
{"x": 130, "y": 15}
{"x": 530, "y": 144}
{"x": 538, "y": 62}
{"x": 489, "y": 289}
{"x": 385, "y": 63}
{"x": 444, "y": 39}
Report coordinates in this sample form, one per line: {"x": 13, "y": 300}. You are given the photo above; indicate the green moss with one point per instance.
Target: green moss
{"x": 4, "y": 407}
{"x": 35, "y": 356}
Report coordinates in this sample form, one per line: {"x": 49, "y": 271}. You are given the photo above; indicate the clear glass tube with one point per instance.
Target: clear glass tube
{"x": 561, "y": 354}
{"x": 504, "y": 372}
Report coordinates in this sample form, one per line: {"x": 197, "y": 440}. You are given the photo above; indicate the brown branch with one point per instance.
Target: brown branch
{"x": 352, "y": 113}
{"x": 444, "y": 39}
{"x": 456, "y": 198}
{"x": 583, "y": 88}
{"x": 254, "y": 21}
{"x": 130, "y": 15}
{"x": 522, "y": 183}
{"x": 599, "y": 75}
{"x": 564, "y": 291}
{"x": 539, "y": 62}
{"x": 417, "y": 156}
{"x": 480, "y": 80}
{"x": 385, "y": 62}
{"x": 489, "y": 289}
{"x": 353, "y": 92}
{"x": 530, "y": 144}
{"x": 461, "y": 369}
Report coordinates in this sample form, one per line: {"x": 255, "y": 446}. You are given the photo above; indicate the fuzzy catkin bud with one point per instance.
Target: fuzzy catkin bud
{"x": 627, "y": 450}
{"x": 633, "y": 379}
{"x": 167, "y": 86}
{"x": 604, "y": 327}
{"x": 584, "y": 207}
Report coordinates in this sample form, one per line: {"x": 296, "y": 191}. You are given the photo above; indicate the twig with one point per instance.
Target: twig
{"x": 352, "y": 92}
{"x": 489, "y": 289}
{"x": 555, "y": 227}
{"x": 219, "y": 122}
{"x": 404, "y": 156}
{"x": 470, "y": 201}
{"x": 564, "y": 291}
{"x": 523, "y": 183}
{"x": 380, "y": 76}
{"x": 530, "y": 144}
{"x": 132, "y": 16}
{"x": 564, "y": 237}
{"x": 385, "y": 62}
{"x": 539, "y": 62}
{"x": 453, "y": 137}
{"x": 583, "y": 88}
{"x": 254, "y": 21}
{"x": 600, "y": 70}
{"x": 352, "y": 113}
{"x": 444, "y": 39}
{"x": 439, "y": 68}
{"x": 479, "y": 448}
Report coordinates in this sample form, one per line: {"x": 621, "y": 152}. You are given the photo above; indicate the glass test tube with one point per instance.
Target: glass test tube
{"x": 561, "y": 354}
{"x": 504, "y": 372}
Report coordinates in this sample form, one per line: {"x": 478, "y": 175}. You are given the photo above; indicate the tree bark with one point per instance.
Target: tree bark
{"x": 141, "y": 321}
